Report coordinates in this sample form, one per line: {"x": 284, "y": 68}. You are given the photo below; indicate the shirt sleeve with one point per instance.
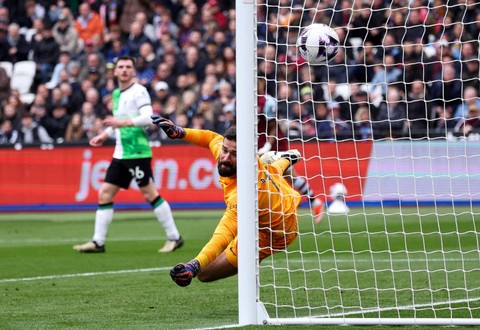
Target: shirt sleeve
{"x": 224, "y": 233}
{"x": 144, "y": 105}
{"x": 144, "y": 118}
{"x": 205, "y": 139}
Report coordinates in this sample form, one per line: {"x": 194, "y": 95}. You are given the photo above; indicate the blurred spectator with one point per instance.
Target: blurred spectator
{"x": 147, "y": 28}
{"x": 92, "y": 61}
{"x": 4, "y": 85}
{"x": 363, "y": 125}
{"x": 448, "y": 91}
{"x": 211, "y": 51}
{"x": 54, "y": 9}
{"x": 342, "y": 127}
{"x": 39, "y": 112}
{"x": 148, "y": 54}
{"x": 88, "y": 119}
{"x": 416, "y": 29}
{"x": 108, "y": 87}
{"x": 165, "y": 26}
{"x": 18, "y": 47}
{"x": 471, "y": 124}
{"x": 167, "y": 45}
{"x": 385, "y": 74}
{"x": 12, "y": 111}
{"x": 31, "y": 132}
{"x": 324, "y": 122}
{"x": 363, "y": 67}
{"x": 341, "y": 17}
{"x": 470, "y": 72}
{"x": 88, "y": 23}
{"x": 209, "y": 108}
{"x": 338, "y": 68}
{"x": 200, "y": 122}
{"x": 8, "y": 134}
{"x": 216, "y": 12}
{"x": 42, "y": 92}
{"x": 93, "y": 96}
{"x": 97, "y": 127}
{"x": 45, "y": 53}
{"x": 129, "y": 10}
{"x": 443, "y": 122}
{"x": 470, "y": 98}
{"x": 66, "y": 35}
{"x": 161, "y": 92}
{"x": 181, "y": 120}
{"x": 62, "y": 64}
{"x": 228, "y": 55}
{"x": 145, "y": 73}
{"x": 110, "y": 11}
{"x": 136, "y": 38}
{"x": 75, "y": 131}
{"x": 57, "y": 121}
{"x": 366, "y": 26}
{"x": 412, "y": 60}
{"x": 226, "y": 119}
{"x": 95, "y": 77}
{"x": 419, "y": 110}
{"x": 5, "y": 17}
{"x": 55, "y": 97}
{"x": 72, "y": 101}
{"x": 164, "y": 73}
{"x": 285, "y": 97}
{"x": 172, "y": 107}
{"x": 193, "y": 62}
{"x": 116, "y": 49}
{"x": 186, "y": 27}
{"x": 28, "y": 14}
{"x": 391, "y": 119}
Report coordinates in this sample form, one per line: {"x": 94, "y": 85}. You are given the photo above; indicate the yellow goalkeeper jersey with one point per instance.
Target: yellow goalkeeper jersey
{"x": 277, "y": 200}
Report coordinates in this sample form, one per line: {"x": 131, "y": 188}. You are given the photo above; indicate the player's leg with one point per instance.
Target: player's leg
{"x": 164, "y": 215}
{"x": 117, "y": 176}
{"x": 161, "y": 208}
{"x": 218, "y": 269}
{"x": 103, "y": 219}
{"x": 302, "y": 186}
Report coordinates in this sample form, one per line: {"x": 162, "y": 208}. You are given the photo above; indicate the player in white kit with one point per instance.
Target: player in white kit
{"x": 131, "y": 159}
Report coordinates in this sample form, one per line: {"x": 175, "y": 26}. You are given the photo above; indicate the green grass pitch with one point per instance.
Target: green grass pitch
{"x": 44, "y": 284}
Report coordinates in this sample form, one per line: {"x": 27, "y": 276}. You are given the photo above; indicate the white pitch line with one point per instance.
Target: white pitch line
{"x": 113, "y": 272}
{"x": 408, "y": 307}
{"x": 72, "y": 240}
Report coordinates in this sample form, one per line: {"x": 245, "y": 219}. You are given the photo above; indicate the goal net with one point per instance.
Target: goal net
{"x": 389, "y": 135}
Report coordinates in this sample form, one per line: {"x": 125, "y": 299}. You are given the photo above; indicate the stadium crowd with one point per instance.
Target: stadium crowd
{"x": 411, "y": 66}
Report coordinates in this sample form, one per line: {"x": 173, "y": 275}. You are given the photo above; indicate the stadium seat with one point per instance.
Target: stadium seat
{"x": 22, "y": 79}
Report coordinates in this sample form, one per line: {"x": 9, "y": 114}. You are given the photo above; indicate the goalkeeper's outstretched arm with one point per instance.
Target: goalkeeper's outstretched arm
{"x": 199, "y": 137}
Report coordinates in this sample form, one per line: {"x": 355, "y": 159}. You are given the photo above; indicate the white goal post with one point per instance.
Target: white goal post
{"x": 398, "y": 243}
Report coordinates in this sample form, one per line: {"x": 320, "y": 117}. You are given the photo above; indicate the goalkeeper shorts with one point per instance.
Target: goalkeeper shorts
{"x": 270, "y": 242}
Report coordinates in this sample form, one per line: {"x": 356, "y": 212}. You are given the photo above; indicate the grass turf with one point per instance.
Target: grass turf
{"x": 47, "y": 285}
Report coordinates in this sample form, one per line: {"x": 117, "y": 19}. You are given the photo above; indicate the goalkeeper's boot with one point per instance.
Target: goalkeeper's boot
{"x": 317, "y": 208}
{"x": 172, "y": 245}
{"x": 90, "y": 247}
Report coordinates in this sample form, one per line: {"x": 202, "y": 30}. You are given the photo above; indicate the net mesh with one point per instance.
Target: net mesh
{"x": 388, "y": 131}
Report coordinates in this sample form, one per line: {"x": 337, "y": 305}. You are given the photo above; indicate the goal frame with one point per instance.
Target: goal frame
{"x": 250, "y": 308}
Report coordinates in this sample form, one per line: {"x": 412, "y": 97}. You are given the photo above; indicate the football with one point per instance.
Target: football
{"x": 318, "y": 43}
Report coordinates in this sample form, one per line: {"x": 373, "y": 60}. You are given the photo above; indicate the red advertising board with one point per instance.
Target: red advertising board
{"x": 183, "y": 173}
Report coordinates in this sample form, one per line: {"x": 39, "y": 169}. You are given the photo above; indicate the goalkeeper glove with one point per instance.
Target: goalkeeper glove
{"x": 272, "y": 156}
{"x": 182, "y": 274}
{"x": 173, "y": 131}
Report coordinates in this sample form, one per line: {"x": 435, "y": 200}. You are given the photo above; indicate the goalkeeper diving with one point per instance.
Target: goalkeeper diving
{"x": 277, "y": 205}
